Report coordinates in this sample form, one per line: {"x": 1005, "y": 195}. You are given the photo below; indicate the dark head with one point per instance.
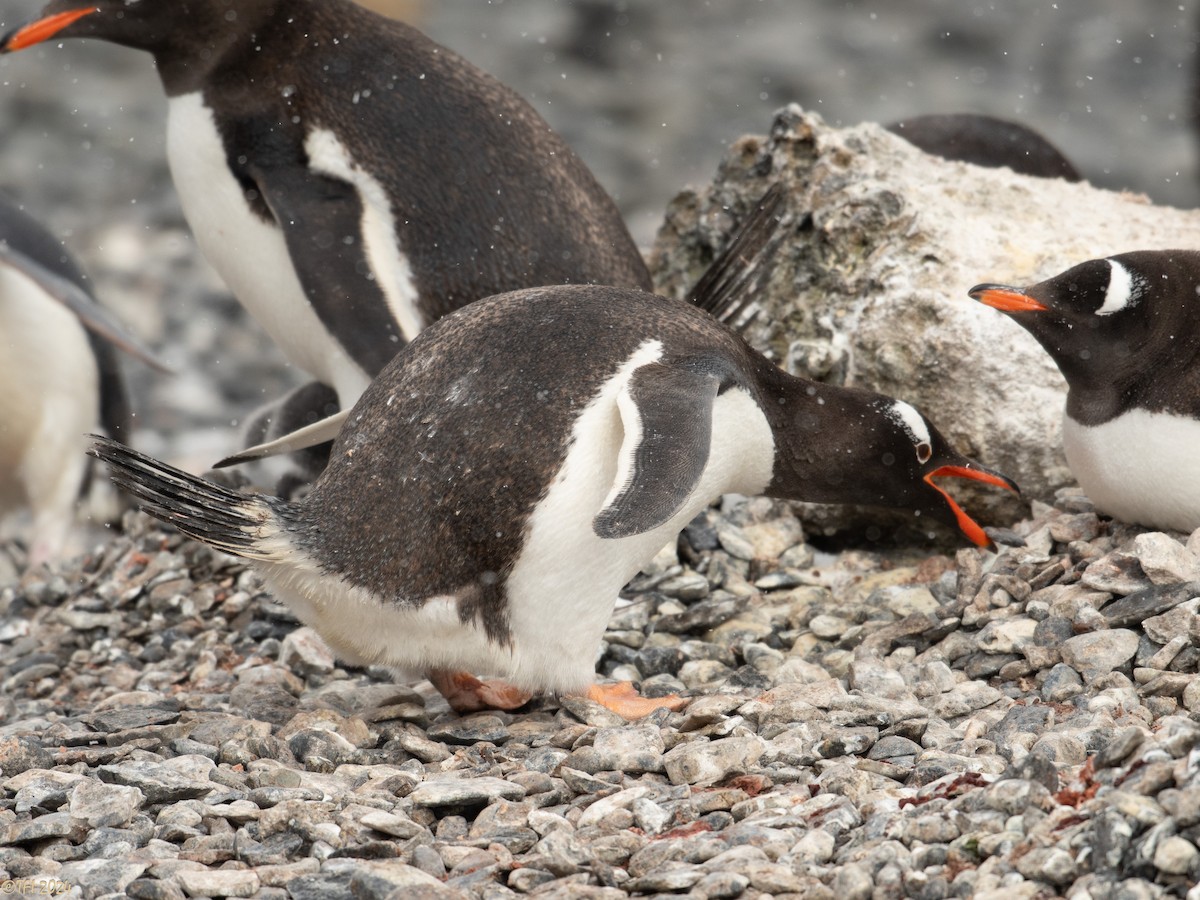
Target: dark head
{"x": 1098, "y": 319}
{"x": 844, "y": 445}
{"x": 187, "y": 33}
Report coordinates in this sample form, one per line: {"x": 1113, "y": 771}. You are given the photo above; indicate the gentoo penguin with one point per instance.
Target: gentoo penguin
{"x": 59, "y": 378}
{"x": 350, "y": 179}
{"x": 986, "y": 141}
{"x": 522, "y": 459}
{"x": 1125, "y": 333}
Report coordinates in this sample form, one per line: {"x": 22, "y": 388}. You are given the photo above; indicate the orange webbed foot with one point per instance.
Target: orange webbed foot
{"x": 622, "y": 699}
{"x": 467, "y": 694}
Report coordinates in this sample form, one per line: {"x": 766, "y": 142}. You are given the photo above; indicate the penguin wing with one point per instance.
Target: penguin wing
{"x": 301, "y": 439}
{"x": 724, "y": 288}
{"x": 322, "y": 219}
{"x": 91, "y": 314}
{"x": 667, "y": 416}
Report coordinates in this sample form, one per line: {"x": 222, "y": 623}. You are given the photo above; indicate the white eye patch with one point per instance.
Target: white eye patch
{"x": 911, "y": 421}
{"x": 1124, "y": 289}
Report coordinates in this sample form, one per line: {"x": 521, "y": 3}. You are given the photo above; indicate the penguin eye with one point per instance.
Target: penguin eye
{"x": 924, "y": 451}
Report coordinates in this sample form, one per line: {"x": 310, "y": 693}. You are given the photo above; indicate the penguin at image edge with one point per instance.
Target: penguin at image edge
{"x": 59, "y": 375}
{"x": 1124, "y": 332}
{"x": 351, "y": 180}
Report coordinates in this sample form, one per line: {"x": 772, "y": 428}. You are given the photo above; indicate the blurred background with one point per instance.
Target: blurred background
{"x": 648, "y": 92}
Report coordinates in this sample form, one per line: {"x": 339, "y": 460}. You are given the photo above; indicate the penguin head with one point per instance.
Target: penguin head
{"x": 874, "y": 450}
{"x": 196, "y": 28}
{"x": 1100, "y": 312}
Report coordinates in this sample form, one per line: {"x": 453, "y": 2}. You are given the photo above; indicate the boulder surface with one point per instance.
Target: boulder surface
{"x": 868, "y": 287}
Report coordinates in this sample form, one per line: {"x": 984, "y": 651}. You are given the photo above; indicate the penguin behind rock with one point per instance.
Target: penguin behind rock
{"x": 59, "y": 378}
{"x": 526, "y": 456}
{"x": 1125, "y": 333}
{"x": 986, "y": 141}
{"x": 350, "y": 179}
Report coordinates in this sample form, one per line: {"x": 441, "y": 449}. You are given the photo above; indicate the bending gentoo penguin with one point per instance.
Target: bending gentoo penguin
{"x": 1125, "y": 333}
{"x": 59, "y": 378}
{"x": 350, "y": 179}
{"x": 986, "y": 141}
{"x": 522, "y": 459}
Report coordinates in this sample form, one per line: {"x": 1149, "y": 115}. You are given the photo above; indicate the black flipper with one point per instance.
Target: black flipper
{"x": 723, "y": 288}
{"x": 667, "y": 416}
{"x": 321, "y": 219}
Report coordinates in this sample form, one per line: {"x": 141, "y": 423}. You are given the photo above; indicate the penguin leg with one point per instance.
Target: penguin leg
{"x": 467, "y": 694}
{"x": 622, "y": 699}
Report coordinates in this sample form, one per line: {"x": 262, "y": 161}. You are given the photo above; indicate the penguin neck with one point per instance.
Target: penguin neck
{"x": 186, "y": 60}
{"x": 1115, "y": 375}
{"x": 799, "y": 411}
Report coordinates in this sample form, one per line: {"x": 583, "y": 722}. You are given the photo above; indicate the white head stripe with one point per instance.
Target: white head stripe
{"x": 1122, "y": 290}
{"x": 911, "y": 421}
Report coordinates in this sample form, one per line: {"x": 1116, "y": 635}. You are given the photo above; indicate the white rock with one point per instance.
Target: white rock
{"x": 875, "y": 292}
{"x": 1165, "y": 560}
{"x": 1097, "y": 653}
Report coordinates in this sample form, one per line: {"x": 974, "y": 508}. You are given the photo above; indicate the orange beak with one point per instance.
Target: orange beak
{"x": 43, "y": 29}
{"x": 1006, "y": 299}
{"x": 969, "y": 526}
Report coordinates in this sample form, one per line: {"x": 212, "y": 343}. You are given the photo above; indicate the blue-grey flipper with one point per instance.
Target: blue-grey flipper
{"x": 322, "y": 223}
{"x": 667, "y": 416}
{"x": 93, "y": 316}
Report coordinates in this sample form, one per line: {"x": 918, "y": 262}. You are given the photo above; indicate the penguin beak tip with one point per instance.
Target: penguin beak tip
{"x": 43, "y": 29}
{"x": 1005, "y": 298}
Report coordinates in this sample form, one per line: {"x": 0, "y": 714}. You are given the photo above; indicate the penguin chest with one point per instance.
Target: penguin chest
{"x": 1140, "y": 467}
{"x": 564, "y": 585}
{"x": 250, "y": 254}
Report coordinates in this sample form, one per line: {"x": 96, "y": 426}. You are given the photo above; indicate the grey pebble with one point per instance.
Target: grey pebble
{"x": 464, "y": 791}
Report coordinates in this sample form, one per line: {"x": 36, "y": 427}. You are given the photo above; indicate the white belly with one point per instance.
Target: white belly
{"x": 49, "y": 399}
{"x": 250, "y": 254}
{"x": 1140, "y": 467}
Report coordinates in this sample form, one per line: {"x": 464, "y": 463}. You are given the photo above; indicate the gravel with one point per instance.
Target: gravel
{"x": 896, "y": 724}
{"x": 860, "y": 724}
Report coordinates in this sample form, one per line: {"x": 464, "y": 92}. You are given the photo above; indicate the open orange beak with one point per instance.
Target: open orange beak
{"x": 1004, "y": 298}
{"x": 968, "y": 525}
{"x": 43, "y": 29}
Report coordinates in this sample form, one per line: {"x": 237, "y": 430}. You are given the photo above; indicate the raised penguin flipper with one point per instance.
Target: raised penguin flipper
{"x": 723, "y": 289}
{"x": 301, "y": 439}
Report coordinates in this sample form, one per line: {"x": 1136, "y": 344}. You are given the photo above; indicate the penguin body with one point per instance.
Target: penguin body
{"x": 511, "y": 470}
{"x": 1125, "y": 333}
{"x": 986, "y": 141}
{"x": 351, "y": 180}
{"x": 59, "y": 379}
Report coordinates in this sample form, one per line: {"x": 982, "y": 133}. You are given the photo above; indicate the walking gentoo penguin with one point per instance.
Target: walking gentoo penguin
{"x": 522, "y": 459}
{"x": 59, "y": 378}
{"x": 1125, "y": 333}
{"x": 986, "y": 141}
{"x": 350, "y": 179}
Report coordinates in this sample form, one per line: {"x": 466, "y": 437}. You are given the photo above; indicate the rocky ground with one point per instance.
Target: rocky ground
{"x": 860, "y": 724}
{"x": 1013, "y": 725}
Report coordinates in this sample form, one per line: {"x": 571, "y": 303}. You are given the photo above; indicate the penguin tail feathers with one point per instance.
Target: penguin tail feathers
{"x": 241, "y": 524}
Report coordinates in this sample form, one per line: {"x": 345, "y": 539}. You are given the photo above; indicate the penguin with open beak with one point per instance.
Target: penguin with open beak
{"x": 521, "y": 460}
